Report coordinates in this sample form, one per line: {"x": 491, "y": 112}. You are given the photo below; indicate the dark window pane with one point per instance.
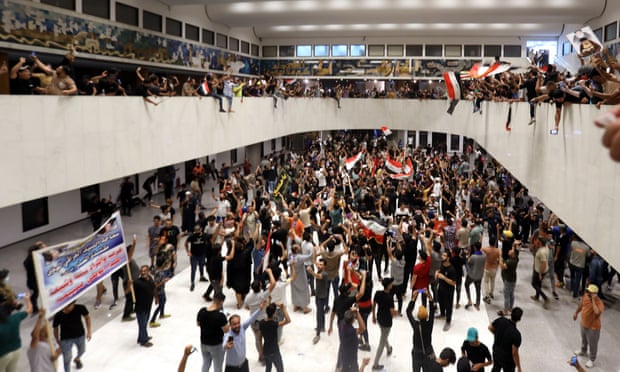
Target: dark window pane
{"x": 413, "y": 50}
{"x": 270, "y": 51}
{"x": 208, "y": 37}
{"x": 221, "y": 41}
{"x": 86, "y": 196}
{"x": 492, "y": 50}
{"x": 376, "y": 50}
{"x": 65, "y": 4}
{"x": 192, "y": 32}
{"x": 35, "y": 214}
{"x": 453, "y": 51}
{"x": 233, "y": 157}
{"x": 611, "y": 31}
{"x": 598, "y": 33}
{"x": 473, "y": 50}
{"x": 97, "y": 8}
{"x": 126, "y": 14}
{"x": 151, "y": 21}
{"x": 245, "y": 47}
{"x": 174, "y": 27}
{"x": 395, "y": 50}
{"x": 434, "y": 50}
{"x": 255, "y": 50}
{"x": 513, "y": 51}
{"x": 287, "y": 51}
{"x": 454, "y": 142}
{"x": 233, "y": 44}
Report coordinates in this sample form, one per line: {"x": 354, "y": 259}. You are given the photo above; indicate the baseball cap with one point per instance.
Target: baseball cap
{"x": 592, "y": 288}
{"x": 24, "y": 68}
{"x": 472, "y": 334}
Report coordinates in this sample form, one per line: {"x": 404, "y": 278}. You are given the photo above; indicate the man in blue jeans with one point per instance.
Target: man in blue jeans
{"x": 196, "y": 246}
{"x": 321, "y": 294}
{"x": 144, "y": 290}
{"x": 213, "y": 325}
{"x": 69, "y": 331}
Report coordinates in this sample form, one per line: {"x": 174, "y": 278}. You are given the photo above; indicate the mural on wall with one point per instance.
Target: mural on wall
{"x": 27, "y": 24}
{"x": 436, "y": 67}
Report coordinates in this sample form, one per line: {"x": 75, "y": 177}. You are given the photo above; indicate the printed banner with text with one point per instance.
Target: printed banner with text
{"x": 67, "y": 270}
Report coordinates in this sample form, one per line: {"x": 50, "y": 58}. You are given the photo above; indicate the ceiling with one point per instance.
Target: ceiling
{"x": 395, "y": 18}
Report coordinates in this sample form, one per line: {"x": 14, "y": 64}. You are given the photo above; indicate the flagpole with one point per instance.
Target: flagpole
{"x": 50, "y": 340}
{"x": 130, "y": 278}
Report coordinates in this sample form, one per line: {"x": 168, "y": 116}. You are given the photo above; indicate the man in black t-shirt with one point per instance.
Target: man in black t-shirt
{"x": 446, "y": 279}
{"x": 507, "y": 342}
{"x": 382, "y": 312}
{"x": 172, "y": 234}
{"x": 447, "y": 356}
{"x": 144, "y": 290}
{"x": 69, "y": 331}
{"x": 269, "y": 330}
{"x": 22, "y": 81}
{"x": 196, "y": 247}
{"x": 213, "y": 325}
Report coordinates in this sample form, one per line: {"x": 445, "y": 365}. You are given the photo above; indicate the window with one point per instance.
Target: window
{"x": 35, "y": 214}
{"x": 174, "y": 27}
{"x": 376, "y": 50}
{"x": 287, "y": 51}
{"x": 233, "y": 157}
{"x": 492, "y": 50}
{"x": 339, "y": 50}
{"x": 413, "y": 50}
{"x": 270, "y": 51}
{"x": 455, "y": 142}
{"x": 321, "y": 50}
{"x": 151, "y": 21}
{"x": 598, "y": 33}
{"x": 512, "y": 51}
{"x": 86, "y": 196}
{"x": 245, "y": 47}
{"x": 273, "y": 144}
{"x": 126, "y": 14}
{"x": 221, "y": 41}
{"x": 611, "y": 31}
{"x": 65, "y": 4}
{"x": 434, "y": 50}
{"x": 233, "y": 44}
{"x": 395, "y": 50}
{"x": 97, "y": 8}
{"x": 358, "y": 50}
{"x": 255, "y": 50}
{"x": 473, "y": 50}
{"x": 208, "y": 37}
{"x": 304, "y": 50}
{"x": 192, "y": 32}
{"x": 453, "y": 51}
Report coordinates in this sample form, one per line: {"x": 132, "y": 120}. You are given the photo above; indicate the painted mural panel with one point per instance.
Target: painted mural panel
{"x": 26, "y": 24}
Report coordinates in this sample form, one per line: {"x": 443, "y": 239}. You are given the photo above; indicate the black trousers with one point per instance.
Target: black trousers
{"x": 242, "y": 368}
{"x": 446, "y": 299}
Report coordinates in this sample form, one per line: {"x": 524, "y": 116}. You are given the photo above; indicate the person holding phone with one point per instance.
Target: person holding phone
{"x": 234, "y": 343}
{"x": 591, "y": 308}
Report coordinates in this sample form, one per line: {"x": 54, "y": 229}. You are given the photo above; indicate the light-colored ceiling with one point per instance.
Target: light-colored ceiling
{"x": 395, "y": 18}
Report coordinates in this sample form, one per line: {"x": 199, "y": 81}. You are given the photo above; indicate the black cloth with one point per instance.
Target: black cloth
{"x": 198, "y": 244}
{"x": 172, "y": 234}
{"x": 385, "y": 303}
{"x": 70, "y": 324}
{"x": 24, "y": 86}
{"x": 269, "y": 329}
{"x": 211, "y": 323}
{"x": 476, "y": 354}
{"x": 341, "y": 305}
{"x": 144, "y": 289}
{"x": 506, "y": 335}
{"x": 215, "y": 267}
{"x": 239, "y": 270}
{"x": 348, "y": 347}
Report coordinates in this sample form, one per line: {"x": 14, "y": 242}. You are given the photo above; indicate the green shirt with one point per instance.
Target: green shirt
{"x": 9, "y": 333}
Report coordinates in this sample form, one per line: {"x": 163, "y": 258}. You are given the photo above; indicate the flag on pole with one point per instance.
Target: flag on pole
{"x": 393, "y": 166}
{"x": 204, "y": 88}
{"x": 479, "y": 70}
{"x": 386, "y": 131}
{"x": 350, "y": 162}
{"x": 452, "y": 85}
{"x": 407, "y": 171}
{"x": 267, "y": 249}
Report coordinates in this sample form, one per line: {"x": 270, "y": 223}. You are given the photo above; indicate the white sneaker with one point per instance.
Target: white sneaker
{"x": 589, "y": 364}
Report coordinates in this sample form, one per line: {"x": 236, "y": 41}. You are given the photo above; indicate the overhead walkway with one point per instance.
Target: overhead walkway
{"x": 54, "y": 144}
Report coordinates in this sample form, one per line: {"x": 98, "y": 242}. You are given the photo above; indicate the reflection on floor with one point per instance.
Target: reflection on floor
{"x": 549, "y": 336}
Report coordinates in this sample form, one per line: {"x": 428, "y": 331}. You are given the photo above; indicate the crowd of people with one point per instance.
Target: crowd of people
{"x": 317, "y": 224}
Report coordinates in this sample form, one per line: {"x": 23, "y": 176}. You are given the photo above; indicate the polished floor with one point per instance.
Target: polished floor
{"x": 550, "y": 336}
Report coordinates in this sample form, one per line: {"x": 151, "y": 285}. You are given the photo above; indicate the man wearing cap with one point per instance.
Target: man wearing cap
{"x": 591, "y": 308}
{"x": 475, "y": 352}
{"x": 22, "y": 81}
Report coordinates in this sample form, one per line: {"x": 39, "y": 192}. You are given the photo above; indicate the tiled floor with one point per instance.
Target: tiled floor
{"x": 549, "y": 336}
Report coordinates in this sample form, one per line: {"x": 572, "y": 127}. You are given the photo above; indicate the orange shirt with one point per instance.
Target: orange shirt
{"x": 590, "y": 320}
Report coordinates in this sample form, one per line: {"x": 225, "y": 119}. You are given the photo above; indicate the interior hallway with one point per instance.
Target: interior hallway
{"x": 549, "y": 336}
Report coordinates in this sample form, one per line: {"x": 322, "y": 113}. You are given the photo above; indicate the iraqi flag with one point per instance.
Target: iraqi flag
{"x": 386, "y": 131}
{"x": 204, "y": 88}
{"x": 407, "y": 171}
{"x": 393, "y": 166}
{"x": 452, "y": 85}
{"x": 479, "y": 70}
{"x": 267, "y": 250}
{"x": 372, "y": 230}
{"x": 349, "y": 163}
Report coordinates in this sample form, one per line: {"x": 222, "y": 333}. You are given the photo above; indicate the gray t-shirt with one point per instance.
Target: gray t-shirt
{"x": 476, "y": 266}
{"x": 253, "y": 301}
{"x": 579, "y": 251}
{"x": 40, "y": 358}
{"x": 398, "y": 271}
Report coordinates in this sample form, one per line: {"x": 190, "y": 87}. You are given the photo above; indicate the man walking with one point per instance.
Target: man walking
{"x": 383, "y": 310}
{"x": 591, "y": 308}
{"x": 144, "y": 290}
{"x": 269, "y": 329}
{"x": 476, "y": 264}
{"x": 446, "y": 278}
{"x": 541, "y": 257}
{"x": 491, "y": 263}
{"x": 69, "y": 331}
{"x": 213, "y": 325}
{"x": 196, "y": 246}
{"x": 507, "y": 341}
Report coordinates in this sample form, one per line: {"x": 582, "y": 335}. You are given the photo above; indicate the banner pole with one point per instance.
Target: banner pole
{"x": 50, "y": 340}
{"x": 129, "y": 277}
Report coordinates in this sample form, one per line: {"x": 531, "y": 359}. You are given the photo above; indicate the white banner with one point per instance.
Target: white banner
{"x": 65, "y": 271}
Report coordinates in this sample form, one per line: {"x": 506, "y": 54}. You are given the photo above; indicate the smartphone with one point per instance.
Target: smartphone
{"x": 21, "y": 296}
{"x": 573, "y": 360}
{"x": 230, "y": 338}
{"x": 33, "y": 54}
{"x": 193, "y": 349}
